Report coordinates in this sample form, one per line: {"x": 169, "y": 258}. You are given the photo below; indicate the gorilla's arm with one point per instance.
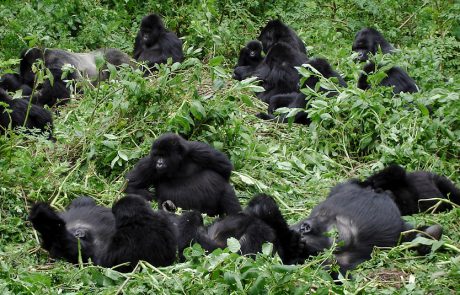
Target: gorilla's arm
{"x": 209, "y": 158}
{"x": 140, "y": 178}
{"x": 52, "y": 228}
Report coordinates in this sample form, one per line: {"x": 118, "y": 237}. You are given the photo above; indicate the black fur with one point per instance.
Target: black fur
{"x": 55, "y": 91}
{"x": 259, "y": 223}
{"x": 298, "y": 100}
{"x": 277, "y": 71}
{"x": 369, "y": 40}
{"x": 140, "y": 234}
{"x": 154, "y": 44}
{"x": 37, "y": 117}
{"x": 14, "y": 82}
{"x": 130, "y": 232}
{"x": 250, "y": 57}
{"x": 396, "y": 78}
{"x": 191, "y": 174}
{"x": 409, "y": 189}
{"x": 363, "y": 219}
{"x": 276, "y": 31}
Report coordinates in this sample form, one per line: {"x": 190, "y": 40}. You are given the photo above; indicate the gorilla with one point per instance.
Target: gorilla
{"x": 19, "y": 112}
{"x": 14, "y": 82}
{"x": 298, "y": 100}
{"x": 55, "y": 59}
{"x": 369, "y": 40}
{"x": 276, "y": 31}
{"x": 130, "y": 232}
{"x": 250, "y": 57}
{"x": 363, "y": 219}
{"x": 154, "y": 44}
{"x": 277, "y": 71}
{"x": 191, "y": 174}
{"x": 395, "y": 77}
{"x": 411, "y": 189}
{"x": 259, "y": 223}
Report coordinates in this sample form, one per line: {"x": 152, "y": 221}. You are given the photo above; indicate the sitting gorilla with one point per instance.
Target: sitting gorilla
{"x": 411, "y": 189}
{"x": 259, "y": 223}
{"x": 363, "y": 218}
{"x": 129, "y": 232}
{"x": 395, "y": 77}
{"x": 14, "y": 82}
{"x": 250, "y": 57}
{"x": 369, "y": 40}
{"x": 298, "y": 100}
{"x": 277, "y": 71}
{"x": 276, "y": 31}
{"x": 154, "y": 44}
{"x": 19, "y": 112}
{"x": 191, "y": 174}
{"x": 55, "y": 59}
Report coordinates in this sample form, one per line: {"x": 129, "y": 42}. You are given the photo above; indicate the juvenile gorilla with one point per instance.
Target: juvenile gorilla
{"x": 191, "y": 174}
{"x": 276, "y": 31}
{"x": 54, "y": 59}
{"x": 411, "y": 189}
{"x": 14, "y": 82}
{"x": 369, "y": 40}
{"x": 277, "y": 71}
{"x": 298, "y": 100}
{"x": 154, "y": 44}
{"x": 37, "y": 117}
{"x": 250, "y": 57}
{"x": 129, "y": 232}
{"x": 259, "y": 223}
{"x": 395, "y": 77}
{"x": 363, "y": 219}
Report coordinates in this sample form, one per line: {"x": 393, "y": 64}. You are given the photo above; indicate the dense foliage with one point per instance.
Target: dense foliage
{"x": 101, "y": 134}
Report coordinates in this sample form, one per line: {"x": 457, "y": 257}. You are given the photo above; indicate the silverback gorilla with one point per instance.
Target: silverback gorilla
{"x": 363, "y": 219}
{"x": 410, "y": 190}
{"x": 154, "y": 44}
{"x": 130, "y": 232}
{"x": 191, "y": 174}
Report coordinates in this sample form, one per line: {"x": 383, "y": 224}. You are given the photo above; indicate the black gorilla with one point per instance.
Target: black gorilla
{"x": 277, "y": 71}
{"x": 369, "y": 40}
{"x": 154, "y": 44}
{"x": 298, "y": 100}
{"x": 411, "y": 189}
{"x": 396, "y": 78}
{"x": 191, "y": 174}
{"x": 129, "y": 232}
{"x": 276, "y": 31}
{"x": 250, "y": 57}
{"x": 14, "y": 82}
{"x": 55, "y": 59}
{"x": 363, "y": 218}
{"x": 259, "y": 223}
{"x": 36, "y": 117}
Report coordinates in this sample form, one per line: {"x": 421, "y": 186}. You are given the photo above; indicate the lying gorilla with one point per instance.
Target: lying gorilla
{"x": 277, "y": 71}
{"x": 130, "y": 232}
{"x": 250, "y": 57}
{"x": 19, "y": 112}
{"x": 14, "y": 82}
{"x": 154, "y": 44}
{"x": 54, "y": 59}
{"x": 410, "y": 190}
{"x": 299, "y": 100}
{"x": 395, "y": 77}
{"x": 275, "y": 32}
{"x": 363, "y": 218}
{"x": 369, "y": 40}
{"x": 259, "y": 223}
{"x": 191, "y": 174}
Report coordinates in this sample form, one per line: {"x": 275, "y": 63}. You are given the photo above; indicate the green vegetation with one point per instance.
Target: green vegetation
{"x": 101, "y": 134}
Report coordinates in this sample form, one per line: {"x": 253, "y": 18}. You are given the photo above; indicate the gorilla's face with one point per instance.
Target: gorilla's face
{"x": 167, "y": 153}
{"x": 363, "y": 45}
{"x": 149, "y": 35}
